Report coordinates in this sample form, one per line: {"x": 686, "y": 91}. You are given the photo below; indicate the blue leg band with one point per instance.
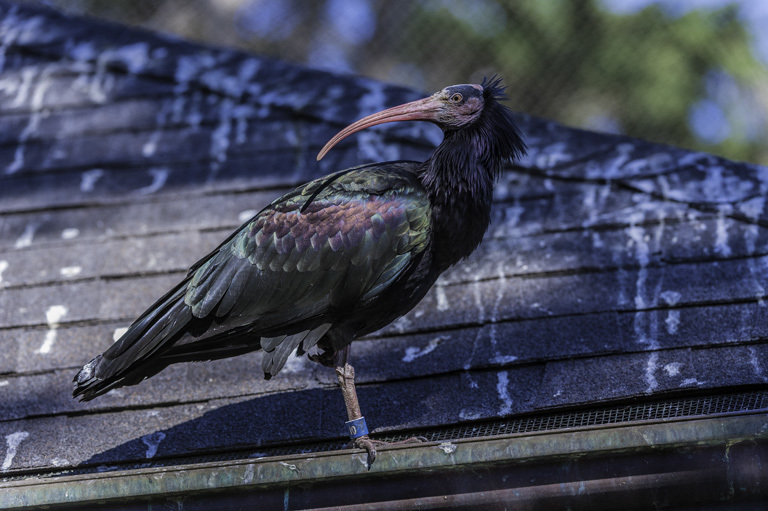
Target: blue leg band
{"x": 357, "y": 428}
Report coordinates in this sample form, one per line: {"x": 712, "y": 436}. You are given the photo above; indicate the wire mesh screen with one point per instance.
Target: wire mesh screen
{"x": 691, "y": 74}
{"x": 655, "y": 410}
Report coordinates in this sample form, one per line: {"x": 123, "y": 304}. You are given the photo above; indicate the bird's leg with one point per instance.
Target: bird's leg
{"x": 346, "y": 376}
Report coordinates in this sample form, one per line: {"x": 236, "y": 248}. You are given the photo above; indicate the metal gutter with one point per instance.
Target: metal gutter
{"x": 604, "y": 443}
{"x": 531, "y": 495}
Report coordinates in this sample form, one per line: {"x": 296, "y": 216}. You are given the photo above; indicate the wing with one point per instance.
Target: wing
{"x": 280, "y": 281}
{"x": 329, "y": 246}
{"x": 313, "y": 257}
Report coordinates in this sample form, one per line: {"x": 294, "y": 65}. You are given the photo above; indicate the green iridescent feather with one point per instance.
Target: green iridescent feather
{"x": 334, "y": 244}
{"x": 332, "y": 241}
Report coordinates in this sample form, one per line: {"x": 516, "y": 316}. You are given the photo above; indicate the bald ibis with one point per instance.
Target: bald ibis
{"x": 332, "y": 260}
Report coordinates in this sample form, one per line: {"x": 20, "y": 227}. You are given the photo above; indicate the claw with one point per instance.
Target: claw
{"x": 367, "y": 443}
{"x": 364, "y": 442}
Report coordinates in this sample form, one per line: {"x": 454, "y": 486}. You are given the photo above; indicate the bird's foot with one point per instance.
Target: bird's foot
{"x": 370, "y": 445}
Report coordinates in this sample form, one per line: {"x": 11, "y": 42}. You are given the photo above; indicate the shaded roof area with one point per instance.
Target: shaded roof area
{"x": 614, "y": 271}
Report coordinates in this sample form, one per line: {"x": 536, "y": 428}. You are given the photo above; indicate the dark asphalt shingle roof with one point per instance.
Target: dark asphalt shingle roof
{"x": 614, "y": 269}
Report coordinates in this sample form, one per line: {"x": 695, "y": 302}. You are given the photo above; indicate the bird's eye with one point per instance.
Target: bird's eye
{"x": 456, "y": 97}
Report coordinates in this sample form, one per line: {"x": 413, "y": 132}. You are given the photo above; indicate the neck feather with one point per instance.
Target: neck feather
{"x": 459, "y": 181}
{"x": 459, "y": 178}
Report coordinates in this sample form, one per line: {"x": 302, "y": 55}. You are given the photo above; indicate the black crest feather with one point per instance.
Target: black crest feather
{"x": 500, "y": 130}
{"x": 494, "y": 88}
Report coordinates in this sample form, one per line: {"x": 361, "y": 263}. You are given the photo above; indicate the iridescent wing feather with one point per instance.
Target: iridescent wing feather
{"x": 317, "y": 254}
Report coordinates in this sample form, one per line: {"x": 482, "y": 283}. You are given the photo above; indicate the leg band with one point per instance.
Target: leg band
{"x": 357, "y": 428}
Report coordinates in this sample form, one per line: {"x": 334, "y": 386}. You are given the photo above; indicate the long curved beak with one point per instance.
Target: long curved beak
{"x": 420, "y": 110}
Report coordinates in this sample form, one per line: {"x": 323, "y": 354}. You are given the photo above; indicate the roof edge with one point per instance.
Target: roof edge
{"x": 254, "y": 474}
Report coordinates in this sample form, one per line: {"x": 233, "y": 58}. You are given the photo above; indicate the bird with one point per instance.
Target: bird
{"x": 334, "y": 259}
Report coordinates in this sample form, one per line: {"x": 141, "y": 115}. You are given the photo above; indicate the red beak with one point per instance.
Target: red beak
{"x": 420, "y": 110}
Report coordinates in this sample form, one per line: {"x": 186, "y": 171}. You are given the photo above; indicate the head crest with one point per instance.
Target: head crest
{"x": 503, "y": 135}
{"x": 493, "y": 88}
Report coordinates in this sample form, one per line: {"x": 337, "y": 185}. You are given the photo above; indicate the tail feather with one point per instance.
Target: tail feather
{"x": 155, "y": 330}
{"x": 278, "y": 349}
{"x": 172, "y": 330}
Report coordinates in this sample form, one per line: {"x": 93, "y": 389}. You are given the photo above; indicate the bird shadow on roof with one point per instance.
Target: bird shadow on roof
{"x": 243, "y": 426}
{"x": 317, "y": 415}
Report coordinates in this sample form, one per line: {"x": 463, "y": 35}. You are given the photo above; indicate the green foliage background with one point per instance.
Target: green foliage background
{"x": 569, "y": 60}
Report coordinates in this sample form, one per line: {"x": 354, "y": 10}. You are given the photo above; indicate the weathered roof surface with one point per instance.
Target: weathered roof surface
{"x": 614, "y": 269}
